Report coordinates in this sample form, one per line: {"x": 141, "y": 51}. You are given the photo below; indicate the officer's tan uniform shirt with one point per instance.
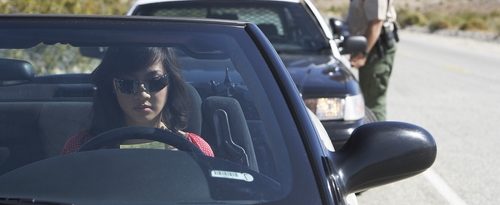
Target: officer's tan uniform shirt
{"x": 363, "y": 11}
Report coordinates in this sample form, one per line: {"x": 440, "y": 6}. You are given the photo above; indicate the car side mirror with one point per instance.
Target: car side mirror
{"x": 339, "y": 28}
{"x": 383, "y": 152}
{"x": 354, "y": 45}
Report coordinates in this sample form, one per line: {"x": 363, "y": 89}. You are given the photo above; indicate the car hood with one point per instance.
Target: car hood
{"x": 318, "y": 76}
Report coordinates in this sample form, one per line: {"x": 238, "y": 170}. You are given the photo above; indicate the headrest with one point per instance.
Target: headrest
{"x": 15, "y": 70}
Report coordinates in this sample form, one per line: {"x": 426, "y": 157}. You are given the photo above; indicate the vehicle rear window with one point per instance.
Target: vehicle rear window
{"x": 289, "y": 26}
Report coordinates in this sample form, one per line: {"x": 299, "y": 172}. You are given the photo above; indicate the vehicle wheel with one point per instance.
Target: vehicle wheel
{"x": 369, "y": 116}
{"x": 114, "y": 137}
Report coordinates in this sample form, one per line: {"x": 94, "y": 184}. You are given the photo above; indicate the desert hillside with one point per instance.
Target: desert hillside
{"x": 465, "y": 15}
{"x": 480, "y": 5}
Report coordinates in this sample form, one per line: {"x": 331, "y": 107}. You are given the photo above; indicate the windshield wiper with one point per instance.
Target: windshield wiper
{"x": 27, "y": 201}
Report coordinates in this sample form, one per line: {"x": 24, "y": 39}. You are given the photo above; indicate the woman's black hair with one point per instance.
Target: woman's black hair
{"x": 120, "y": 61}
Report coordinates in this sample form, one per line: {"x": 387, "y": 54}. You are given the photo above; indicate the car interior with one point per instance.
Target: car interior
{"x": 39, "y": 113}
{"x": 47, "y": 95}
{"x": 34, "y": 113}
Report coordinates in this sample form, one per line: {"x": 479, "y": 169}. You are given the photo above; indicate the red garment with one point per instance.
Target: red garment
{"x": 74, "y": 143}
{"x": 200, "y": 143}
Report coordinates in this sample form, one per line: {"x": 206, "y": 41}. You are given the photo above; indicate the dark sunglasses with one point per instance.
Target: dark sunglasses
{"x": 130, "y": 87}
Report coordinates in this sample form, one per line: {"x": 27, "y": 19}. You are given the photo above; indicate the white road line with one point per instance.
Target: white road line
{"x": 443, "y": 188}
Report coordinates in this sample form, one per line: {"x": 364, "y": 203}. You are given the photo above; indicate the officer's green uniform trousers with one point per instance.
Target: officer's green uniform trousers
{"x": 374, "y": 80}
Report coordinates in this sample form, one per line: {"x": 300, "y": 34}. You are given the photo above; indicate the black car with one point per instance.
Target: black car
{"x": 243, "y": 103}
{"x": 306, "y": 46}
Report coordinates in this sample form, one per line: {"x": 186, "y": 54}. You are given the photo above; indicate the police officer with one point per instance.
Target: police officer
{"x": 374, "y": 19}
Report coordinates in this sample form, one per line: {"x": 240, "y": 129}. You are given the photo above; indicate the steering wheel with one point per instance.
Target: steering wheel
{"x": 115, "y": 136}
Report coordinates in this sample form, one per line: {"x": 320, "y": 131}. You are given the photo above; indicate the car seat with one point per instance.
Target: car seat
{"x": 18, "y": 144}
{"x": 225, "y": 129}
{"x": 194, "y": 121}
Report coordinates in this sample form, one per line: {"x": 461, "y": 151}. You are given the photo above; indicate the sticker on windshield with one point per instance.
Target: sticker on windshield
{"x": 232, "y": 175}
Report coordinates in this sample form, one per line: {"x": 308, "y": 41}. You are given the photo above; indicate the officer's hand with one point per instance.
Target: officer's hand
{"x": 358, "y": 60}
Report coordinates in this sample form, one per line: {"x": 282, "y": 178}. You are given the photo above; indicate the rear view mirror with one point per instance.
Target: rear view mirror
{"x": 354, "y": 45}
{"x": 383, "y": 152}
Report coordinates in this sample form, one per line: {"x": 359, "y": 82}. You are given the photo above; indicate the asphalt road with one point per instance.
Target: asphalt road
{"x": 451, "y": 87}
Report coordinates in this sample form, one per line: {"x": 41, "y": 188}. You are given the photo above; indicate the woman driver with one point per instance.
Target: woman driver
{"x": 138, "y": 86}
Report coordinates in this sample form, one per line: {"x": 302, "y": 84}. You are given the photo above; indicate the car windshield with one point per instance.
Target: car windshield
{"x": 289, "y": 26}
{"x": 70, "y": 88}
